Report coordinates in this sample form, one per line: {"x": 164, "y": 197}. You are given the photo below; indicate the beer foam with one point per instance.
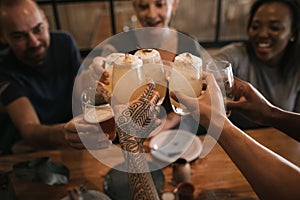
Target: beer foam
{"x": 112, "y": 57}
{"x": 98, "y": 114}
{"x": 148, "y": 55}
{"x": 188, "y": 59}
{"x": 128, "y": 60}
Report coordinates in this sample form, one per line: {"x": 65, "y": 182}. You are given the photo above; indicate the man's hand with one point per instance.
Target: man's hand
{"x": 77, "y": 126}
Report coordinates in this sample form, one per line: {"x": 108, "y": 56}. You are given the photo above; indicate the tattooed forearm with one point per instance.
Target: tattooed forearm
{"x": 139, "y": 177}
{"x": 141, "y": 187}
{"x": 134, "y": 125}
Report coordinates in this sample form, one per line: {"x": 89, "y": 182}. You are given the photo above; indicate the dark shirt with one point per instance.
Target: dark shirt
{"x": 48, "y": 86}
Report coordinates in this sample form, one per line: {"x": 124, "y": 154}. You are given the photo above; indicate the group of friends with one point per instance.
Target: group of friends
{"x": 41, "y": 69}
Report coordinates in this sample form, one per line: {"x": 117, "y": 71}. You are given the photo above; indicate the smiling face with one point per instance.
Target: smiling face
{"x": 270, "y": 31}
{"x": 25, "y": 30}
{"x": 154, "y": 13}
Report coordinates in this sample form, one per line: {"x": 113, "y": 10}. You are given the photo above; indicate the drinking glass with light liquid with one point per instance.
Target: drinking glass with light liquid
{"x": 222, "y": 71}
{"x": 131, "y": 76}
{"x": 186, "y": 78}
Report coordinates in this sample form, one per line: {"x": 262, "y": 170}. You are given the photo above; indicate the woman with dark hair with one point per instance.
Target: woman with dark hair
{"x": 290, "y": 55}
{"x": 269, "y": 59}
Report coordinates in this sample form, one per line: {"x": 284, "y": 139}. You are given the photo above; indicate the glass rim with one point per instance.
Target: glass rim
{"x": 215, "y": 67}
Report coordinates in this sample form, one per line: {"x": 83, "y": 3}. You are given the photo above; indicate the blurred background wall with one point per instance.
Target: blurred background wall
{"x": 212, "y": 22}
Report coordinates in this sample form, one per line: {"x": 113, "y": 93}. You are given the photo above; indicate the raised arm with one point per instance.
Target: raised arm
{"x": 253, "y": 105}
{"x": 270, "y": 175}
{"x": 134, "y": 124}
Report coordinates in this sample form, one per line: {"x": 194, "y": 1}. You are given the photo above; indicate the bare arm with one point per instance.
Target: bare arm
{"x": 39, "y": 135}
{"x": 288, "y": 122}
{"x": 252, "y": 104}
{"x": 270, "y": 175}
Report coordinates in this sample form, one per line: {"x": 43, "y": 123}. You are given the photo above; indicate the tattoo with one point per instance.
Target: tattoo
{"x": 134, "y": 125}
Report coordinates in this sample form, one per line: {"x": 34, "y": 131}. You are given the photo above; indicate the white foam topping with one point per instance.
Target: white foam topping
{"x": 148, "y": 55}
{"x": 188, "y": 59}
{"x": 112, "y": 57}
{"x": 128, "y": 60}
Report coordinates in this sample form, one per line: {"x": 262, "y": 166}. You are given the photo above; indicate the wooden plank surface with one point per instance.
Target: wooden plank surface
{"x": 213, "y": 176}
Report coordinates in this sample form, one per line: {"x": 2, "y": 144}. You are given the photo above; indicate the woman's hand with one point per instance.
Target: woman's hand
{"x": 250, "y": 102}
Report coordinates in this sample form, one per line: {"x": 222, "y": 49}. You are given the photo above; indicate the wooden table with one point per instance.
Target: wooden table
{"x": 213, "y": 176}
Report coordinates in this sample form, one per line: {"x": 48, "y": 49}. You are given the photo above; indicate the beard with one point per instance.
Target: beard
{"x": 35, "y": 56}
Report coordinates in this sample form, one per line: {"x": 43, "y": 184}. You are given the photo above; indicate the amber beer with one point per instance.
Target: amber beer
{"x": 104, "y": 116}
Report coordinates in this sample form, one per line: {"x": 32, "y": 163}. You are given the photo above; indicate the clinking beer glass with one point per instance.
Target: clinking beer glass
{"x": 97, "y": 111}
{"x": 186, "y": 77}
